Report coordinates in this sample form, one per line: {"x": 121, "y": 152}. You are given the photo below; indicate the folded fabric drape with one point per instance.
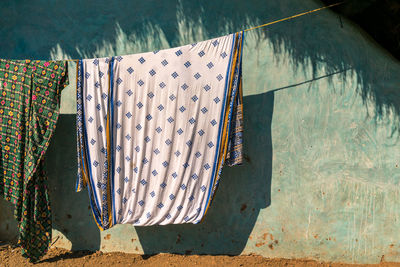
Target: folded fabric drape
{"x": 29, "y": 107}
{"x": 154, "y": 130}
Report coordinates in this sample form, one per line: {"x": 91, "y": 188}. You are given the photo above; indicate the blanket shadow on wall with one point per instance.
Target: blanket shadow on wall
{"x": 72, "y": 215}
{"x": 242, "y": 192}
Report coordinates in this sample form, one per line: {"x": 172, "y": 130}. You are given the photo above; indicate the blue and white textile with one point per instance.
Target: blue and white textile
{"x": 154, "y": 130}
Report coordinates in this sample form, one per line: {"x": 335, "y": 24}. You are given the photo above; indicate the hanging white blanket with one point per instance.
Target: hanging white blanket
{"x": 154, "y": 130}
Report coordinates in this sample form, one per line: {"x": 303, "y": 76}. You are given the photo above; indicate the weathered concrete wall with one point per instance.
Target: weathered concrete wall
{"x": 322, "y": 106}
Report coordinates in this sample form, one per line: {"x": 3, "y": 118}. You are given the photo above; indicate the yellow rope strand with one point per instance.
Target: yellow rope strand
{"x": 269, "y": 23}
{"x": 294, "y": 16}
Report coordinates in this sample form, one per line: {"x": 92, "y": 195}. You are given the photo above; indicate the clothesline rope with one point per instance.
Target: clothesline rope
{"x": 294, "y": 16}
{"x": 275, "y": 21}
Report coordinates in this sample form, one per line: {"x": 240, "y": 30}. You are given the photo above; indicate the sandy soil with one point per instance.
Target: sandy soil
{"x": 11, "y": 256}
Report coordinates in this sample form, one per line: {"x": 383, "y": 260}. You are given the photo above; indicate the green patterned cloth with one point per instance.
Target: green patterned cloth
{"x": 29, "y": 106}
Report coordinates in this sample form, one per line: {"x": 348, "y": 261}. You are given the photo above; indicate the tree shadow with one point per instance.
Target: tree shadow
{"x": 242, "y": 193}
{"x": 72, "y": 215}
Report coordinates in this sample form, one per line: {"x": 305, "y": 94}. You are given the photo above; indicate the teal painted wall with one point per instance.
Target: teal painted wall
{"x": 322, "y": 106}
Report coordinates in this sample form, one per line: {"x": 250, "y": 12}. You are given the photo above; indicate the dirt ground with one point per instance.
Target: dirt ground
{"x": 10, "y": 256}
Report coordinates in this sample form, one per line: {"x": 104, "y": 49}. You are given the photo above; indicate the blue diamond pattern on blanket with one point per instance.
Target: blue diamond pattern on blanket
{"x": 139, "y": 105}
{"x": 152, "y": 72}
{"x": 162, "y": 84}
{"x": 164, "y": 63}
{"x": 156, "y": 151}
{"x": 96, "y": 61}
{"x": 139, "y": 127}
{"x": 187, "y": 64}
{"x": 119, "y": 81}
{"x": 194, "y": 98}
{"x": 180, "y": 131}
{"x": 184, "y": 86}
{"x": 197, "y": 76}
{"x": 174, "y": 75}
{"x": 129, "y": 92}
{"x": 141, "y": 60}
{"x": 210, "y": 65}
{"x": 140, "y": 82}
{"x": 152, "y": 194}
{"x": 165, "y": 164}
{"x": 130, "y": 70}
{"x": 160, "y": 107}
{"x": 178, "y": 53}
